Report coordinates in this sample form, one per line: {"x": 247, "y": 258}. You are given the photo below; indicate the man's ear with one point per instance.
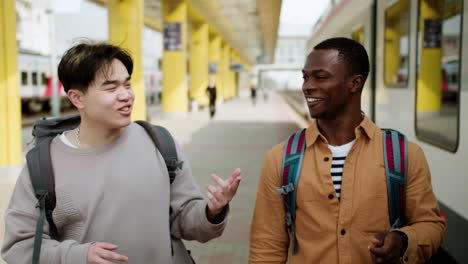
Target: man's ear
{"x": 76, "y": 97}
{"x": 356, "y": 82}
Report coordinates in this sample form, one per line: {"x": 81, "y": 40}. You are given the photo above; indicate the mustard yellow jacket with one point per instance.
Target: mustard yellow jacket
{"x": 331, "y": 231}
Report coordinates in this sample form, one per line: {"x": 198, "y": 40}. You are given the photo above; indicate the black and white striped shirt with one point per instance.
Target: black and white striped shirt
{"x": 339, "y": 156}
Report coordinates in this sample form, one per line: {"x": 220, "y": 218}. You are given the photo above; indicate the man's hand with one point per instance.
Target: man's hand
{"x": 220, "y": 196}
{"x": 387, "y": 247}
{"x": 102, "y": 253}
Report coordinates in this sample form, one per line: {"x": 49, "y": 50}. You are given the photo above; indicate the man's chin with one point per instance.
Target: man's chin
{"x": 315, "y": 115}
{"x": 121, "y": 123}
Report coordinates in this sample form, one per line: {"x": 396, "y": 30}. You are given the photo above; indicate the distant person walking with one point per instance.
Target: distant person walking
{"x": 253, "y": 94}
{"x": 211, "y": 90}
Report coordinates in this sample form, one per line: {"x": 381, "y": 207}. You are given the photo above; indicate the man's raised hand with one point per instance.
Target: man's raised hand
{"x": 219, "y": 196}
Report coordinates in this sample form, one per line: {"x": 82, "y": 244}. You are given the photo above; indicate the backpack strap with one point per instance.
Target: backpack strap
{"x": 42, "y": 179}
{"x": 293, "y": 155}
{"x": 164, "y": 142}
{"x": 395, "y": 146}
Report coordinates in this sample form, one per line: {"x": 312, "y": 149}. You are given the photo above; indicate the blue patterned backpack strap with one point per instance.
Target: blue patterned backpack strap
{"x": 290, "y": 171}
{"x": 395, "y": 146}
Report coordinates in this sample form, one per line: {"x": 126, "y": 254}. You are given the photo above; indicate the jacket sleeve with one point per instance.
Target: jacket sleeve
{"x": 20, "y": 229}
{"x": 425, "y": 228}
{"x": 188, "y": 218}
{"x": 269, "y": 240}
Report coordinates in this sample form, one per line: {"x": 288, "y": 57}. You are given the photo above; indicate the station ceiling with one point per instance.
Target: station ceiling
{"x": 249, "y": 26}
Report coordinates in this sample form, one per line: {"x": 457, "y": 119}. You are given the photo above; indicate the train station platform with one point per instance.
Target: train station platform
{"x": 238, "y": 137}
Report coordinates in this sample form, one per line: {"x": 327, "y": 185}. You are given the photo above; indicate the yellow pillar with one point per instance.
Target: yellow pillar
{"x": 358, "y": 35}
{"x": 215, "y": 61}
{"x": 126, "y": 31}
{"x": 429, "y": 83}
{"x": 224, "y": 70}
{"x": 199, "y": 41}
{"x": 174, "y": 63}
{"x": 392, "y": 51}
{"x": 232, "y": 75}
{"x": 10, "y": 107}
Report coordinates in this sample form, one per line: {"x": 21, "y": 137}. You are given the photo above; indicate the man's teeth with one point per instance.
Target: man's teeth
{"x": 310, "y": 100}
{"x": 125, "y": 108}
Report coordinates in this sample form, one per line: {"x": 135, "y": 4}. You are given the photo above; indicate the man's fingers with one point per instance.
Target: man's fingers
{"x": 109, "y": 255}
{"x": 213, "y": 202}
{"x": 235, "y": 185}
{"x": 235, "y": 174}
{"x": 381, "y": 236}
{"x": 213, "y": 190}
{"x": 106, "y": 245}
{"x": 211, "y": 197}
{"x": 378, "y": 252}
{"x": 376, "y": 243}
{"x": 219, "y": 181}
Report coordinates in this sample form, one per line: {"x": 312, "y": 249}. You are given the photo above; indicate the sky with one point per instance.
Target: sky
{"x": 298, "y": 16}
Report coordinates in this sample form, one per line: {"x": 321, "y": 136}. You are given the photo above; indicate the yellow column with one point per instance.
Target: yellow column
{"x": 199, "y": 41}
{"x": 237, "y": 74}
{"x": 174, "y": 63}
{"x": 224, "y": 70}
{"x": 232, "y": 75}
{"x": 358, "y": 35}
{"x": 10, "y": 107}
{"x": 215, "y": 61}
{"x": 126, "y": 31}
{"x": 392, "y": 51}
{"x": 429, "y": 83}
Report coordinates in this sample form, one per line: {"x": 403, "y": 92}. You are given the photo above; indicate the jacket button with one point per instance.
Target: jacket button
{"x": 326, "y": 159}
{"x": 343, "y": 232}
{"x": 330, "y": 196}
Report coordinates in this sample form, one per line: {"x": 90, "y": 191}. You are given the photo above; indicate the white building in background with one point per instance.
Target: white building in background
{"x": 290, "y": 50}
{"x": 33, "y": 26}
{"x": 285, "y": 73}
{"x": 152, "y": 50}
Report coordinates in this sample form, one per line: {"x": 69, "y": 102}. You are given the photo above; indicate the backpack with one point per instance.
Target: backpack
{"x": 395, "y": 146}
{"x": 42, "y": 176}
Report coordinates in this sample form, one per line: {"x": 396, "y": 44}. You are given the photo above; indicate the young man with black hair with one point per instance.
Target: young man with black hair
{"x": 112, "y": 188}
{"x": 342, "y": 214}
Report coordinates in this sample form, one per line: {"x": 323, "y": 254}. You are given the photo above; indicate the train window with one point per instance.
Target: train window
{"x": 438, "y": 72}
{"x": 396, "y": 47}
{"x": 34, "y": 78}
{"x": 44, "y": 79}
{"x": 24, "y": 78}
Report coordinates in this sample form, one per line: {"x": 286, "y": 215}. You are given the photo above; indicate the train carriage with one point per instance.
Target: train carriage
{"x": 35, "y": 82}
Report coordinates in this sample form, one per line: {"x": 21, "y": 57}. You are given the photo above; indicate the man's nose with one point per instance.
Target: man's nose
{"x": 308, "y": 86}
{"x": 125, "y": 94}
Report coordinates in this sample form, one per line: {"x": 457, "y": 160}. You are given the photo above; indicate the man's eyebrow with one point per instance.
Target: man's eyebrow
{"x": 106, "y": 82}
{"x": 312, "y": 71}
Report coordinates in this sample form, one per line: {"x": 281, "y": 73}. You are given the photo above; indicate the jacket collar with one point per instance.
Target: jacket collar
{"x": 366, "y": 128}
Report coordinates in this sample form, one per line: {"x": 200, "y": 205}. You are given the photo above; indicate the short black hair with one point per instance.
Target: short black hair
{"x": 79, "y": 65}
{"x": 350, "y": 51}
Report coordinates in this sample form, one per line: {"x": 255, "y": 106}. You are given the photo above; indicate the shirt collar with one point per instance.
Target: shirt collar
{"x": 366, "y": 127}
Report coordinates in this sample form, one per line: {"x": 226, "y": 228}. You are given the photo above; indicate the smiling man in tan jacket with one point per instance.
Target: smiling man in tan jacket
{"x": 341, "y": 204}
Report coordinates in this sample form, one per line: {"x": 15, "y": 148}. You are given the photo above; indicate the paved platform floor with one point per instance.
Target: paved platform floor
{"x": 238, "y": 137}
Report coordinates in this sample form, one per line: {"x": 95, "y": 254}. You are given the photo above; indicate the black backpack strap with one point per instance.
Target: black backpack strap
{"x": 164, "y": 142}
{"x": 42, "y": 179}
